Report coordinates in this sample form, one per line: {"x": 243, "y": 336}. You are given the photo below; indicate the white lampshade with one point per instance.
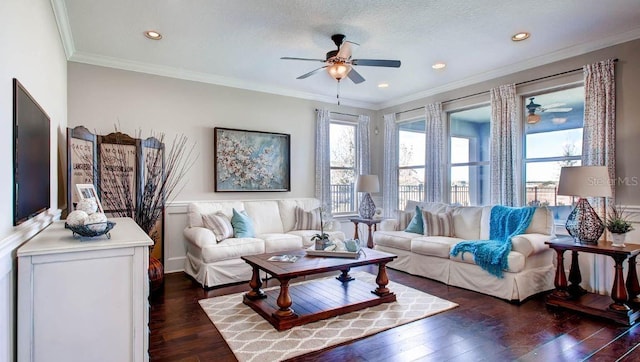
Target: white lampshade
{"x": 367, "y": 183}
{"x": 584, "y": 181}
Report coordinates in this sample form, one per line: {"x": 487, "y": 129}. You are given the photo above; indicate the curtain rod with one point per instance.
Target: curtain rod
{"x": 343, "y": 114}
{"x": 521, "y": 83}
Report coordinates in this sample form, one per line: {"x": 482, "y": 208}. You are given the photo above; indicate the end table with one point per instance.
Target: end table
{"x": 369, "y": 222}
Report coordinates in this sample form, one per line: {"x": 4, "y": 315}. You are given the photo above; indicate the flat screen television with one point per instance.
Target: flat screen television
{"x": 31, "y": 156}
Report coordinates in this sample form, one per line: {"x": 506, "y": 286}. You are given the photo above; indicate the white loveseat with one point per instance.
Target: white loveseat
{"x": 531, "y": 267}
{"x": 213, "y": 263}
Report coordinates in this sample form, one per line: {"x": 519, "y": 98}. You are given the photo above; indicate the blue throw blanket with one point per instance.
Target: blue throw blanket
{"x": 505, "y": 223}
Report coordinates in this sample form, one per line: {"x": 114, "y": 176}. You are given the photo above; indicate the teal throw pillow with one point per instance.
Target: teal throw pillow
{"x": 416, "y": 225}
{"x": 242, "y": 225}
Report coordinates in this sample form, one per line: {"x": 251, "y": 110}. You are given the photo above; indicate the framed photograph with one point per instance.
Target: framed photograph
{"x": 88, "y": 191}
{"x": 247, "y": 161}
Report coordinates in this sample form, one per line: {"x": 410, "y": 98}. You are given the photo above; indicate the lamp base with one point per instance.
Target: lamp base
{"x": 584, "y": 223}
{"x": 367, "y": 208}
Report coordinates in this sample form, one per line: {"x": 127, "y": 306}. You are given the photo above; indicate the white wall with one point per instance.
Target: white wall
{"x": 100, "y": 98}
{"x": 31, "y": 52}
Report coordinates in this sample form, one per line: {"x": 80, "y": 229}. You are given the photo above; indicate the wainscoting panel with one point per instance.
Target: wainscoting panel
{"x": 174, "y": 249}
{"x": 9, "y": 276}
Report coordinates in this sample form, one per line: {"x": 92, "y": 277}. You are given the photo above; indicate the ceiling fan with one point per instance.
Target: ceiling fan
{"x": 533, "y": 118}
{"x": 339, "y": 63}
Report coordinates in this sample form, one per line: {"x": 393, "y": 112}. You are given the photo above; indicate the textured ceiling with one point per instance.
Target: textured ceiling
{"x": 239, "y": 43}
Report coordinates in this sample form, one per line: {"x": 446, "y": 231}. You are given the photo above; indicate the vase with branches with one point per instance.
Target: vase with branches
{"x": 161, "y": 176}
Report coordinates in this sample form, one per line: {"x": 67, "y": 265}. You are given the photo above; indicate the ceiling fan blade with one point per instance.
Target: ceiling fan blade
{"x": 355, "y": 76}
{"x": 565, "y": 109}
{"x": 553, "y": 105}
{"x": 307, "y": 75}
{"x": 345, "y": 51}
{"x": 308, "y": 59}
{"x": 377, "y": 63}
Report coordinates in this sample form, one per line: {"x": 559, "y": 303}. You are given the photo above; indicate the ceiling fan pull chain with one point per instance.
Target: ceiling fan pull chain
{"x": 338, "y": 93}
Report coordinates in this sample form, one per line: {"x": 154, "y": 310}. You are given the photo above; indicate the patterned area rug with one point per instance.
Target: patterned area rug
{"x": 251, "y": 338}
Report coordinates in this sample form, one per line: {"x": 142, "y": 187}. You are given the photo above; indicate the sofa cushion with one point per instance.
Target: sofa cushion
{"x": 436, "y": 207}
{"x": 306, "y": 235}
{"x": 394, "y": 239}
{"x": 275, "y": 242}
{"x": 307, "y": 220}
{"x": 242, "y": 225}
{"x": 287, "y": 210}
{"x": 220, "y": 224}
{"x": 466, "y": 222}
{"x": 541, "y": 222}
{"x": 195, "y": 210}
{"x": 265, "y": 215}
{"x": 231, "y": 248}
{"x": 439, "y": 246}
{"x": 438, "y": 224}
{"x": 515, "y": 261}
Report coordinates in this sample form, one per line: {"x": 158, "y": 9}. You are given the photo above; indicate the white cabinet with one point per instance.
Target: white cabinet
{"x": 84, "y": 299}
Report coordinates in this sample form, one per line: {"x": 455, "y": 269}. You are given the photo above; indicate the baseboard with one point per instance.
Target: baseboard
{"x": 174, "y": 265}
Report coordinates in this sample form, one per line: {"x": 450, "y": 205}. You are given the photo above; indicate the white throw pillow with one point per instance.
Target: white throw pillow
{"x": 220, "y": 225}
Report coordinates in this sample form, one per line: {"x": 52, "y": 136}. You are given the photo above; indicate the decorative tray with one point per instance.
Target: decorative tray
{"x": 92, "y": 230}
{"x": 334, "y": 254}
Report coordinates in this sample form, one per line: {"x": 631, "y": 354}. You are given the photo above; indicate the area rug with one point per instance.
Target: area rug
{"x": 252, "y": 338}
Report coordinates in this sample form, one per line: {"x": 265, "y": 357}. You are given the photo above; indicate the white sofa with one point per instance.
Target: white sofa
{"x": 213, "y": 263}
{"x": 531, "y": 268}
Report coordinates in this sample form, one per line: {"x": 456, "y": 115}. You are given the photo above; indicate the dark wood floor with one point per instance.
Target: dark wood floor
{"x": 482, "y": 328}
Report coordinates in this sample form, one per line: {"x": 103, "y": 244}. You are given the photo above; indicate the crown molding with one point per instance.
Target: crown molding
{"x": 64, "y": 28}
{"x": 518, "y": 67}
{"x": 165, "y": 71}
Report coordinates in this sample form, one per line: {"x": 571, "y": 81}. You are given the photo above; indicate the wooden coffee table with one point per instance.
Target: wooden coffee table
{"x": 308, "y": 302}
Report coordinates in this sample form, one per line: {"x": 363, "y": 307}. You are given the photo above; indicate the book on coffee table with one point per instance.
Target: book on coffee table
{"x": 284, "y": 258}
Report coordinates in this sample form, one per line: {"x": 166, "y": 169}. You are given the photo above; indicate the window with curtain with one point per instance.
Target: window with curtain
{"x": 411, "y": 161}
{"x": 553, "y": 139}
{"x": 343, "y": 166}
{"x": 469, "y": 156}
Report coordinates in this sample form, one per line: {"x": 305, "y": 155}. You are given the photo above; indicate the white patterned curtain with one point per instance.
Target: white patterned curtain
{"x": 364, "y": 161}
{"x": 390, "y": 171}
{"x": 505, "y": 133}
{"x": 323, "y": 157}
{"x": 599, "y": 147}
{"x": 435, "y": 157}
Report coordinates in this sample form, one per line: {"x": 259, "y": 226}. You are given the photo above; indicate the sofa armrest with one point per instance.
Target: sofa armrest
{"x": 530, "y": 244}
{"x": 332, "y": 225}
{"x": 199, "y": 236}
{"x": 388, "y": 225}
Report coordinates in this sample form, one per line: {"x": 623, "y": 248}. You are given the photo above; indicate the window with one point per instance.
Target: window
{"x": 411, "y": 161}
{"x": 342, "y": 140}
{"x": 552, "y": 141}
{"x": 469, "y": 156}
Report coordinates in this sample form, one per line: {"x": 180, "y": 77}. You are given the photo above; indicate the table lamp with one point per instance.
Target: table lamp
{"x": 583, "y": 222}
{"x": 367, "y": 184}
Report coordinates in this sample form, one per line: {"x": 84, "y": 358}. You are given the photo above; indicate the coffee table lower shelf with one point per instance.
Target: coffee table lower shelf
{"x": 318, "y": 299}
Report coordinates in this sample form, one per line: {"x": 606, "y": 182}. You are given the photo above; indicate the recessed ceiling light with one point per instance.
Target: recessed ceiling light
{"x": 520, "y": 36}
{"x": 153, "y": 35}
{"x": 383, "y": 85}
{"x": 438, "y": 66}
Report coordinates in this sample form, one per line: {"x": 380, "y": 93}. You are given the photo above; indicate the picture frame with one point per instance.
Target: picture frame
{"x": 251, "y": 161}
{"x": 88, "y": 191}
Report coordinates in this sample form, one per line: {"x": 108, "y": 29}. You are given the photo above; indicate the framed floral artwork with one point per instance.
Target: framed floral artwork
{"x": 251, "y": 161}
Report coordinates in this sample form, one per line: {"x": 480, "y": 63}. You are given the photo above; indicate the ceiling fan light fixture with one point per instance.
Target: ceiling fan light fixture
{"x": 339, "y": 70}
{"x": 523, "y": 35}
{"x": 533, "y": 118}
{"x": 153, "y": 35}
